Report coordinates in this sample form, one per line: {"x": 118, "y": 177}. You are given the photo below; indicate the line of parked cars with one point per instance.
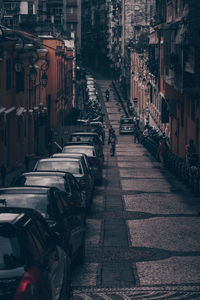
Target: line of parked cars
{"x": 43, "y": 220}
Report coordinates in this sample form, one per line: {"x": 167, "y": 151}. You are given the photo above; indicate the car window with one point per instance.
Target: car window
{"x": 10, "y": 251}
{"x": 44, "y": 232}
{"x": 62, "y": 205}
{"x": 87, "y": 151}
{"x": 73, "y": 167}
{"x": 35, "y": 201}
{"x": 36, "y": 246}
{"x": 55, "y": 181}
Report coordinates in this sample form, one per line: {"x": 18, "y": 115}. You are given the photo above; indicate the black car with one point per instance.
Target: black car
{"x": 64, "y": 181}
{"x": 32, "y": 265}
{"x": 71, "y": 165}
{"x": 68, "y": 226}
{"x": 91, "y": 138}
{"x": 126, "y": 125}
{"x": 95, "y": 161}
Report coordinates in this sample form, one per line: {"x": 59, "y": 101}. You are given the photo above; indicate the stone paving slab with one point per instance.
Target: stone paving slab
{"x": 115, "y": 233}
{"x": 169, "y": 233}
{"x": 158, "y": 204}
{"x": 98, "y": 203}
{"x": 135, "y": 164}
{"x": 85, "y": 275}
{"x": 117, "y": 274}
{"x": 140, "y": 173}
{"x": 93, "y": 231}
{"x": 174, "y": 270}
{"x": 145, "y": 185}
{"x": 129, "y": 157}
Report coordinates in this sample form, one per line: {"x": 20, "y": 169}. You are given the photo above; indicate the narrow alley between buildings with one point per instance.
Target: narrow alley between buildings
{"x": 142, "y": 238}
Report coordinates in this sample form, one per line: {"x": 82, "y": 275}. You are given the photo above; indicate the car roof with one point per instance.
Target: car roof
{"x": 84, "y": 133}
{"x": 58, "y": 159}
{"x": 25, "y": 190}
{"x": 45, "y": 173}
{"x": 62, "y": 154}
{"x": 79, "y": 145}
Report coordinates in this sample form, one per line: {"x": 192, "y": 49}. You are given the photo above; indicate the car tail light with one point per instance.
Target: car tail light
{"x": 25, "y": 290}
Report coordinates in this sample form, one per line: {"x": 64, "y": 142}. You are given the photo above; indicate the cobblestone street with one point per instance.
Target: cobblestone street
{"x": 143, "y": 230}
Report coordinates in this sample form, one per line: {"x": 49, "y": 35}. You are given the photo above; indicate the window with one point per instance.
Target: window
{"x": 20, "y": 81}
{"x": 30, "y": 8}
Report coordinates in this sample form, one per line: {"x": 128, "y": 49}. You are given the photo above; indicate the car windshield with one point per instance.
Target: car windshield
{"x": 88, "y": 152}
{"x": 38, "y": 202}
{"x": 32, "y": 180}
{"x": 84, "y": 138}
{"x": 126, "y": 121}
{"x": 10, "y": 253}
{"x": 73, "y": 167}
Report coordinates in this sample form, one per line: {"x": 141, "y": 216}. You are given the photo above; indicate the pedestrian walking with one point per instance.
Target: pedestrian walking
{"x": 136, "y": 134}
{"x": 110, "y": 133}
{"x": 3, "y": 175}
{"x": 107, "y": 92}
{"x": 113, "y": 144}
{"x": 162, "y": 151}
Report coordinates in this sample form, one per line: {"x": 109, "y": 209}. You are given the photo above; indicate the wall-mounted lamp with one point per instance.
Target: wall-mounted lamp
{"x": 18, "y": 65}
{"x": 44, "y": 80}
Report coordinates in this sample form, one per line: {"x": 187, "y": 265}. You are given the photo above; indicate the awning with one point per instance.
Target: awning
{"x": 10, "y": 110}
{"x": 20, "y": 111}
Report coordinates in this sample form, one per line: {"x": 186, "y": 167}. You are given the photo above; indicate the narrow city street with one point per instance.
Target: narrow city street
{"x": 143, "y": 230}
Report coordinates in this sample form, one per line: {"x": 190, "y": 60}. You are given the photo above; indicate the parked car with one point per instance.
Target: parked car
{"x": 85, "y": 162}
{"x": 51, "y": 203}
{"x": 64, "y": 181}
{"x": 126, "y": 125}
{"x": 71, "y": 165}
{"x": 94, "y": 159}
{"x": 90, "y": 137}
{"x": 33, "y": 266}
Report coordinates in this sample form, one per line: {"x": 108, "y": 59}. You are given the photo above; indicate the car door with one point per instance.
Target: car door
{"x": 49, "y": 258}
{"x": 72, "y": 222}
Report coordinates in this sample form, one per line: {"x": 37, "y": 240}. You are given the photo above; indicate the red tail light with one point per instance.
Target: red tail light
{"x": 25, "y": 290}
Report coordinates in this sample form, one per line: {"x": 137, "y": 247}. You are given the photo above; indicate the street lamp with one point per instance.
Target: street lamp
{"x": 33, "y": 77}
{"x": 44, "y": 80}
{"x": 18, "y": 65}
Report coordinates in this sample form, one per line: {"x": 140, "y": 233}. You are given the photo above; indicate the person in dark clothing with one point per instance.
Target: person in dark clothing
{"x": 113, "y": 144}
{"x": 3, "y": 175}
{"x": 110, "y": 133}
{"x": 136, "y": 134}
